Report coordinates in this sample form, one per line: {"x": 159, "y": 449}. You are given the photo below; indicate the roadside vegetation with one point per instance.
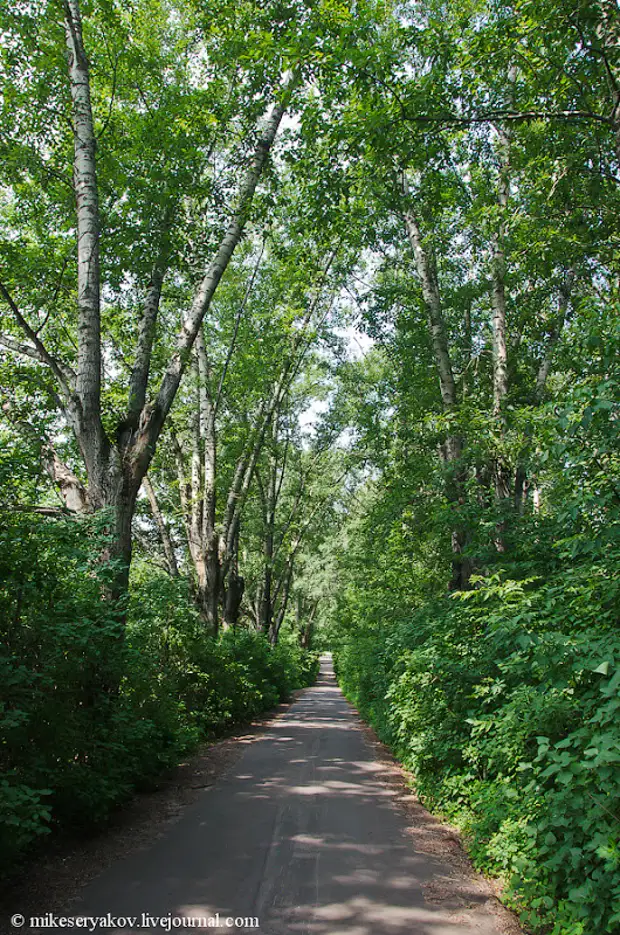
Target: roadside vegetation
{"x": 90, "y": 718}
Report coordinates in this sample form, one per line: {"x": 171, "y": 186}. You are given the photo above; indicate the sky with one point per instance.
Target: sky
{"x": 358, "y": 344}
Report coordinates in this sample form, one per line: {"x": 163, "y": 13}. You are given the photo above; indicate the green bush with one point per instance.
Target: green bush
{"x": 505, "y": 704}
{"x": 87, "y": 713}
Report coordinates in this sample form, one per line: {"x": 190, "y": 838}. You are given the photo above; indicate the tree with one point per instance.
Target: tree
{"x": 117, "y": 446}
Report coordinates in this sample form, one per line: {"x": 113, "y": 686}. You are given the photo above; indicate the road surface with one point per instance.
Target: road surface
{"x": 302, "y": 834}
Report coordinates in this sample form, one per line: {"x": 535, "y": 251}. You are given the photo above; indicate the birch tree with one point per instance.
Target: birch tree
{"x": 117, "y": 447}
{"x": 270, "y": 319}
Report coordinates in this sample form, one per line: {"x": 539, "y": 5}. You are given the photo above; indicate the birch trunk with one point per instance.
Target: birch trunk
{"x": 500, "y": 349}
{"x": 209, "y": 495}
{"x": 276, "y": 624}
{"x": 453, "y": 446}
{"x": 432, "y": 300}
{"x": 164, "y": 534}
{"x": 86, "y": 411}
{"x": 266, "y": 608}
{"x": 501, "y": 470}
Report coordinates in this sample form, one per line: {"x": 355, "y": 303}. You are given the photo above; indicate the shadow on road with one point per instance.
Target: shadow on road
{"x": 304, "y": 834}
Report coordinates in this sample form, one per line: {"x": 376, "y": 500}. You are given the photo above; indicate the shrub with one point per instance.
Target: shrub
{"x": 508, "y": 714}
{"x": 88, "y": 717}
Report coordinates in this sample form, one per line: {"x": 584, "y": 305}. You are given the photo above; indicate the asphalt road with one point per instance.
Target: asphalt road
{"x": 302, "y": 835}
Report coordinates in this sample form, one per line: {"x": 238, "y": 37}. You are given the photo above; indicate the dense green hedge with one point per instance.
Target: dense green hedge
{"x": 505, "y": 704}
{"x": 87, "y": 717}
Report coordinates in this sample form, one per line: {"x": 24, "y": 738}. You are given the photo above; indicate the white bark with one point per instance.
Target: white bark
{"x": 88, "y": 385}
{"x": 500, "y": 349}
{"x": 432, "y": 300}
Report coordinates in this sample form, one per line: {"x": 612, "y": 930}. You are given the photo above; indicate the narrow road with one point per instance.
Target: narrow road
{"x": 301, "y": 834}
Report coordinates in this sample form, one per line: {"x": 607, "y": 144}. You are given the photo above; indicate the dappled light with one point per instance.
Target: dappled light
{"x": 304, "y": 834}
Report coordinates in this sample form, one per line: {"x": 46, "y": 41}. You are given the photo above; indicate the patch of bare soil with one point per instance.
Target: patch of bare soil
{"x": 461, "y": 888}
{"x": 51, "y": 879}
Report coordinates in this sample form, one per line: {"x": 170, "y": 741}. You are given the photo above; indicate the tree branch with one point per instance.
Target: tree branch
{"x": 40, "y": 510}
{"x": 217, "y": 267}
{"x": 138, "y": 383}
{"x": 233, "y": 341}
{"x": 64, "y": 375}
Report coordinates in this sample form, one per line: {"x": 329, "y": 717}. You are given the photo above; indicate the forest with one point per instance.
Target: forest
{"x": 309, "y": 340}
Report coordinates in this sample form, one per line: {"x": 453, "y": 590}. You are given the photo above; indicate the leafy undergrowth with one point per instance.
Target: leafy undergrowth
{"x": 505, "y": 704}
{"x": 87, "y": 718}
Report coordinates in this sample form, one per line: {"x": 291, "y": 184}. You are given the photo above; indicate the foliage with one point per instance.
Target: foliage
{"x": 73, "y": 744}
{"x": 504, "y": 700}
{"x": 510, "y": 725}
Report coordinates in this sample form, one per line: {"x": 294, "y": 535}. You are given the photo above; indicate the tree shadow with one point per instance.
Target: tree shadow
{"x": 303, "y": 834}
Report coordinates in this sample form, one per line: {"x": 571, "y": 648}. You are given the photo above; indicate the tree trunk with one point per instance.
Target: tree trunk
{"x": 199, "y": 508}
{"x": 271, "y": 498}
{"x": 522, "y": 483}
{"x": 276, "y": 624}
{"x": 453, "y": 445}
{"x": 521, "y": 489}
{"x": 234, "y": 589}
{"x": 162, "y": 528}
{"x": 121, "y": 547}
{"x": 211, "y": 543}
{"x": 88, "y": 385}
{"x": 307, "y": 627}
{"x": 500, "y": 350}
{"x": 502, "y": 474}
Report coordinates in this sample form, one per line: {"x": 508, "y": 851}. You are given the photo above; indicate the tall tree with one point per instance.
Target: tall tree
{"x": 117, "y": 447}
